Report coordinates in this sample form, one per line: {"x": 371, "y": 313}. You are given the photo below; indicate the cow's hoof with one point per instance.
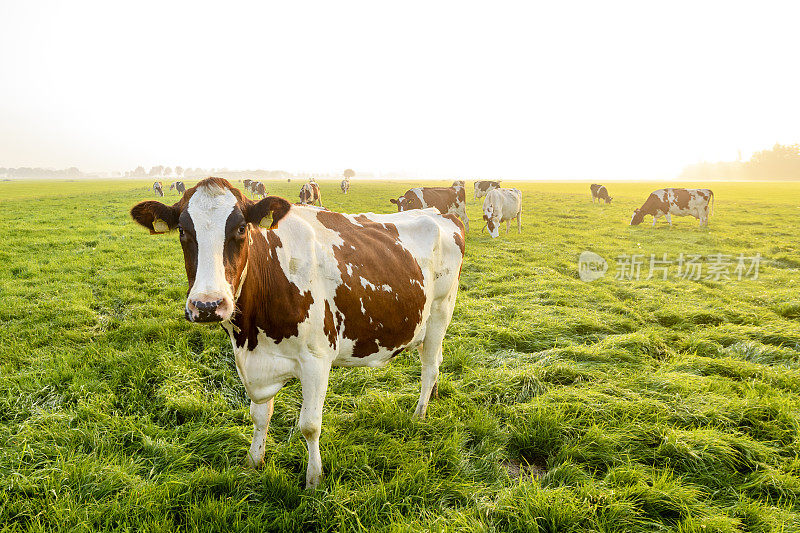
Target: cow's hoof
{"x": 312, "y": 482}
{"x": 254, "y": 463}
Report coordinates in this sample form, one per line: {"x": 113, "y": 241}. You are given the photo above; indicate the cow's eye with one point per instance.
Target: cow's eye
{"x": 242, "y": 229}
{"x": 180, "y": 232}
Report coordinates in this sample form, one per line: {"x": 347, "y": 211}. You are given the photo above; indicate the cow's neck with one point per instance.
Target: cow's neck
{"x": 266, "y": 300}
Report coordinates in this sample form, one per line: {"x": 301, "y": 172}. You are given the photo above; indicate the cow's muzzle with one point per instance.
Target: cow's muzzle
{"x": 207, "y": 310}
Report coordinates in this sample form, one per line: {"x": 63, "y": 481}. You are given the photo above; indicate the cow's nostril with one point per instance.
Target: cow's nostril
{"x": 206, "y": 305}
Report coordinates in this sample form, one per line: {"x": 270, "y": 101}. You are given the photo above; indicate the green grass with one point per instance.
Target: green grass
{"x": 615, "y": 405}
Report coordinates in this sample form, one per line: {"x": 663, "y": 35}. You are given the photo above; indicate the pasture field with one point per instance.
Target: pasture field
{"x": 617, "y": 405}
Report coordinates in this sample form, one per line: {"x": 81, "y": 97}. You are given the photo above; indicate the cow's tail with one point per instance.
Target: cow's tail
{"x": 711, "y": 211}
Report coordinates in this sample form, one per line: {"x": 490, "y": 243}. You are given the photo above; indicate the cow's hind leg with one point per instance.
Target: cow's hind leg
{"x": 314, "y": 381}
{"x": 430, "y": 353}
{"x": 519, "y": 222}
{"x": 260, "y": 413}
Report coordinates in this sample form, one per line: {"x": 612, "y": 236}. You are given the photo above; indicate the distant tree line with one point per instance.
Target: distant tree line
{"x": 28, "y": 172}
{"x": 779, "y": 162}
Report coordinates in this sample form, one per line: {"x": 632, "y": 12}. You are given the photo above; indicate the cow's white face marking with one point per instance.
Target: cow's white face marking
{"x": 209, "y": 208}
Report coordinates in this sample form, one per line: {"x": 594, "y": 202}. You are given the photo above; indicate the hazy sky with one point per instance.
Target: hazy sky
{"x": 506, "y": 89}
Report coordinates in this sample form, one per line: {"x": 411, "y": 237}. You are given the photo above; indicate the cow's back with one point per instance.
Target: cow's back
{"x": 378, "y": 276}
{"x": 506, "y": 202}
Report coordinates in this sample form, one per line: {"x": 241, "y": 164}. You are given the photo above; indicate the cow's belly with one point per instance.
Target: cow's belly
{"x": 683, "y": 212}
{"x": 509, "y": 213}
{"x": 380, "y": 358}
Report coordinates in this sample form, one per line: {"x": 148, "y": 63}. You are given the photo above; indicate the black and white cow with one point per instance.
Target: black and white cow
{"x": 300, "y": 289}
{"x": 177, "y": 186}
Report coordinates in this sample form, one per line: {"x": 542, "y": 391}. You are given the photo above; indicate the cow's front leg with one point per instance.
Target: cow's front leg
{"x": 314, "y": 380}
{"x": 260, "y": 413}
{"x": 669, "y": 219}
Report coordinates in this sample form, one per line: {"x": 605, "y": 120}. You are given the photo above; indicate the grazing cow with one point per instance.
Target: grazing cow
{"x": 482, "y": 187}
{"x": 157, "y": 188}
{"x": 178, "y": 186}
{"x": 502, "y": 205}
{"x": 345, "y": 185}
{"x": 309, "y": 193}
{"x": 599, "y": 192}
{"x": 698, "y": 203}
{"x": 315, "y": 290}
{"x": 459, "y": 183}
{"x": 448, "y": 200}
{"x": 246, "y": 184}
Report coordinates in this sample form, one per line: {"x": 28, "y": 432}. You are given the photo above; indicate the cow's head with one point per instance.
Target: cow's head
{"x": 214, "y": 221}
{"x": 637, "y": 218}
{"x": 401, "y": 203}
{"x": 608, "y": 200}
{"x": 492, "y": 221}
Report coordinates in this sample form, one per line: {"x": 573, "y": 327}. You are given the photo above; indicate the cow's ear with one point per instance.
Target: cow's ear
{"x": 267, "y": 212}
{"x": 393, "y": 200}
{"x": 155, "y": 216}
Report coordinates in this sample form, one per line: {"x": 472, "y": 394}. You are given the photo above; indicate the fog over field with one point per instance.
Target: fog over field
{"x": 582, "y": 90}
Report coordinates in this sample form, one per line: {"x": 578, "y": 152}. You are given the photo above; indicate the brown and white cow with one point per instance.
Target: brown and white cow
{"x": 246, "y": 184}
{"x": 158, "y": 188}
{"x": 345, "y": 185}
{"x": 309, "y": 193}
{"x": 482, "y": 187}
{"x": 502, "y": 205}
{"x": 448, "y": 200}
{"x": 177, "y": 186}
{"x": 599, "y": 192}
{"x": 316, "y": 289}
{"x": 698, "y": 203}
{"x": 258, "y": 189}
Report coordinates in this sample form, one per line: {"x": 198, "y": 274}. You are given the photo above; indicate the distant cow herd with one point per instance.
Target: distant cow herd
{"x": 504, "y": 205}
{"x": 300, "y": 289}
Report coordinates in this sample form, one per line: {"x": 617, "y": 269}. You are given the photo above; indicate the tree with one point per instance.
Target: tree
{"x": 779, "y": 162}
{"x": 140, "y": 172}
{"x": 156, "y": 171}
{"x": 179, "y": 171}
{"x": 349, "y": 173}
{"x": 168, "y": 171}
